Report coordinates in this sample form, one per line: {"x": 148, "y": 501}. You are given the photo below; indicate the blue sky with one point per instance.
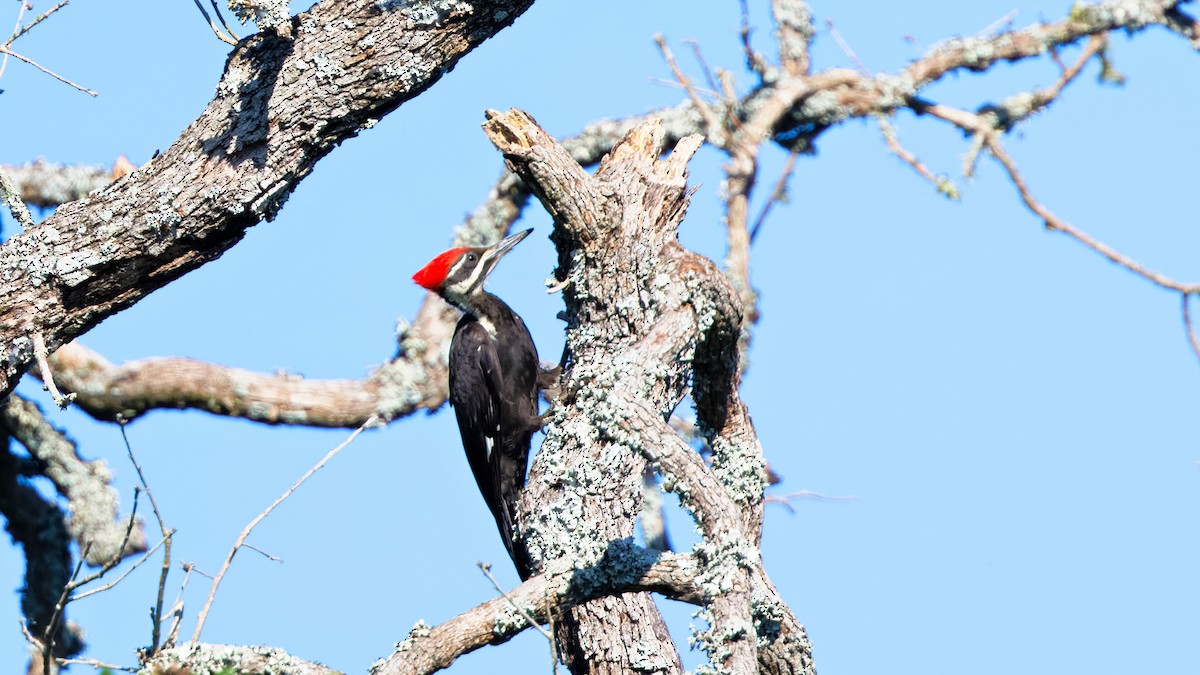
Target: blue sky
{"x": 1013, "y": 415}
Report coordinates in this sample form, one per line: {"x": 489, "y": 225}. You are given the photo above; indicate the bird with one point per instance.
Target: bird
{"x": 493, "y": 380}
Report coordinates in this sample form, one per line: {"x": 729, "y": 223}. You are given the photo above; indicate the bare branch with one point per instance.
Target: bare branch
{"x": 627, "y": 569}
{"x": 987, "y": 136}
{"x": 413, "y": 381}
{"x": 112, "y": 584}
{"x": 51, "y": 631}
{"x": 241, "y": 540}
{"x": 41, "y": 183}
{"x": 1193, "y": 340}
{"x": 226, "y": 35}
{"x": 56, "y": 275}
{"x": 943, "y": 184}
{"x": 28, "y": 27}
{"x": 533, "y": 623}
{"x": 42, "y": 357}
{"x": 794, "y": 31}
{"x": 590, "y": 217}
{"x": 714, "y": 129}
{"x": 1055, "y": 223}
{"x": 10, "y": 194}
{"x": 156, "y": 612}
{"x": 980, "y": 52}
{"x": 86, "y": 485}
{"x": 38, "y": 524}
{"x": 194, "y": 657}
{"x": 778, "y": 194}
{"x": 846, "y": 49}
{"x": 755, "y": 61}
{"x": 9, "y": 52}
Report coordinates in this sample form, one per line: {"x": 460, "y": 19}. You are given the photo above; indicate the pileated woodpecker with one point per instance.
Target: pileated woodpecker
{"x": 493, "y": 379}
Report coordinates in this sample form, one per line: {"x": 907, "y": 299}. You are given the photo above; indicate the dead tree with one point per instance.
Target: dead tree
{"x": 647, "y": 320}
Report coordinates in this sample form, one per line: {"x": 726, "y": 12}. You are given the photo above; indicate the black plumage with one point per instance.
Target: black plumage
{"x": 493, "y": 389}
{"x": 493, "y": 381}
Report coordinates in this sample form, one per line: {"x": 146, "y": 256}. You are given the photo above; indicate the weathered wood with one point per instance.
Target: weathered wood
{"x": 287, "y": 98}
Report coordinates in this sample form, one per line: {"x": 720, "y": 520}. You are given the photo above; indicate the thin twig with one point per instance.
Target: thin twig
{"x": 1020, "y": 107}
{"x": 42, "y": 356}
{"x": 40, "y": 18}
{"x": 16, "y": 31}
{"x": 117, "y": 557}
{"x": 227, "y": 39}
{"x": 177, "y": 608}
{"x": 754, "y": 61}
{"x": 845, "y": 46}
{"x": 202, "y": 573}
{"x": 786, "y": 500}
{"x": 51, "y": 73}
{"x": 714, "y": 130}
{"x": 487, "y": 572}
{"x": 777, "y": 194}
{"x": 166, "y": 539}
{"x": 1187, "y": 323}
{"x": 551, "y": 607}
{"x": 100, "y": 589}
{"x": 221, "y": 16}
{"x": 675, "y": 85}
{"x": 56, "y": 617}
{"x": 708, "y": 76}
{"x": 94, "y": 663}
{"x": 943, "y": 184}
{"x": 1006, "y": 20}
{"x": 1043, "y": 97}
{"x": 263, "y": 553}
{"x": 241, "y": 540}
{"x": 1053, "y": 222}
{"x": 990, "y": 138}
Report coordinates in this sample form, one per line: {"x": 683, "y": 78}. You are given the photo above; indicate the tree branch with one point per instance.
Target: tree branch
{"x": 94, "y": 521}
{"x": 195, "y": 657}
{"x": 664, "y": 310}
{"x": 39, "y": 526}
{"x": 287, "y": 98}
{"x": 399, "y": 388}
{"x": 414, "y": 380}
{"x": 577, "y": 487}
{"x": 624, "y": 568}
{"x": 43, "y": 184}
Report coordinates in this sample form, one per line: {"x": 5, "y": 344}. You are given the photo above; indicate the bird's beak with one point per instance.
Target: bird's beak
{"x": 492, "y": 255}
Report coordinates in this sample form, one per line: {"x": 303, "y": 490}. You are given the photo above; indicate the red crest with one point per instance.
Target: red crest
{"x": 434, "y": 273}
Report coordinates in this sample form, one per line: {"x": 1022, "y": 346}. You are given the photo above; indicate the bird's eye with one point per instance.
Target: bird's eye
{"x": 471, "y": 257}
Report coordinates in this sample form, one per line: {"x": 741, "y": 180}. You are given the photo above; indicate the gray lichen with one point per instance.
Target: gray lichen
{"x": 266, "y": 14}
{"x": 206, "y": 659}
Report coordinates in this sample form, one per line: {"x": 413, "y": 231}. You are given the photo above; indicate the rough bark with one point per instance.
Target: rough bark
{"x": 626, "y": 567}
{"x": 414, "y": 380}
{"x": 644, "y": 314}
{"x": 95, "y": 523}
{"x": 193, "y": 658}
{"x": 584, "y": 490}
{"x": 786, "y": 100}
{"x": 287, "y": 98}
{"x": 639, "y": 309}
{"x": 39, "y": 526}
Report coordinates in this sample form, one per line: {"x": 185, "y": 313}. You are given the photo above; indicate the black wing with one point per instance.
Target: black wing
{"x": 475, "y": 385}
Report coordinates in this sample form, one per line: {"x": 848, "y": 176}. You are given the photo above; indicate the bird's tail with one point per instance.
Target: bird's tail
{"x": 508, "y": 475}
